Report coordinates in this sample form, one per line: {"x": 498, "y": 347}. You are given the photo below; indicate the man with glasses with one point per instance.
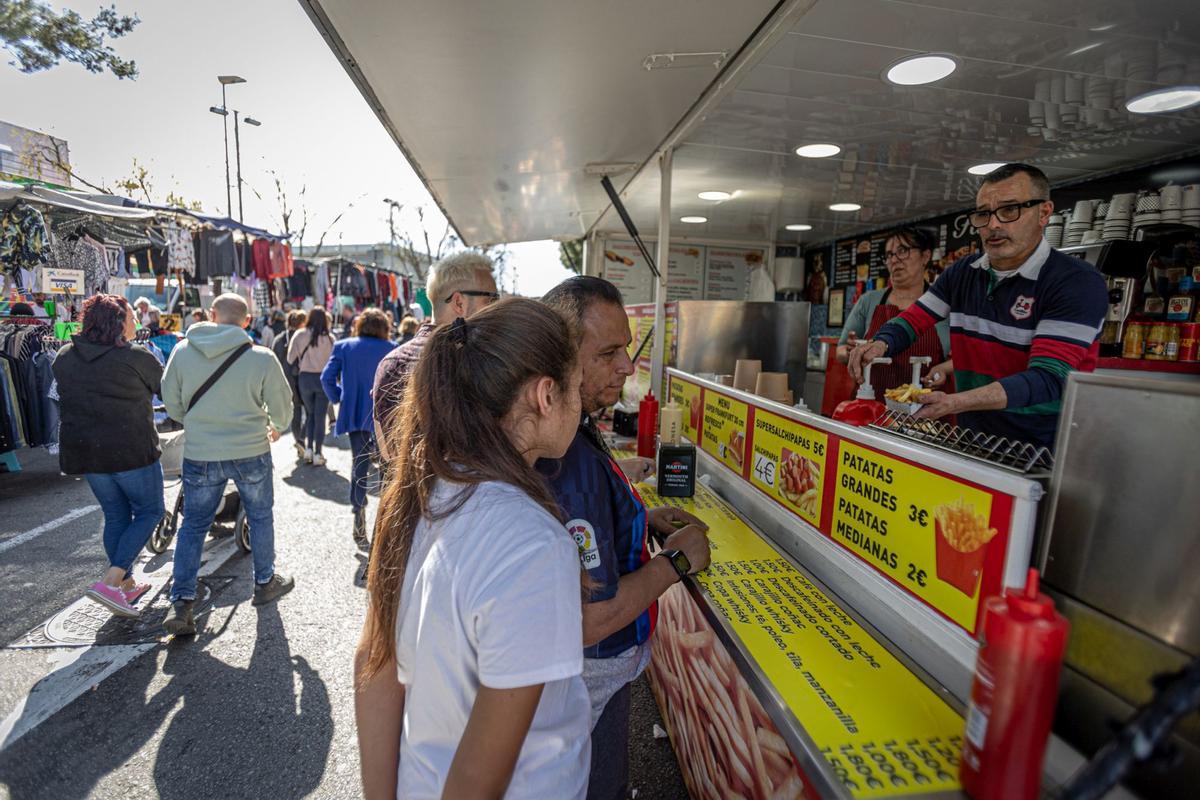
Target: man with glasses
{"x": 458, "y": 286}
{"x": 1022, "y": 316}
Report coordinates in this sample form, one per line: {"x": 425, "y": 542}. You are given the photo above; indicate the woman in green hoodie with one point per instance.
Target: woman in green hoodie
{"x": 106, "y": 385}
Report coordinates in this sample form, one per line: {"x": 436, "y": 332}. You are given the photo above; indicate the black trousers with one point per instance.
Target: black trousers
{"x": 608, "y": 778}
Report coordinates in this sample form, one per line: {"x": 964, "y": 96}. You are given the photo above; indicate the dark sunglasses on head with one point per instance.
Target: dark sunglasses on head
{"x": 1008, "y": 213}
{"x": 492, "y": 296}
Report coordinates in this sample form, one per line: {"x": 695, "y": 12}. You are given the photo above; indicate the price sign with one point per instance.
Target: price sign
{"x": 686, "y": 395}
{"x": 934, "y": 535}
{"x": 724, "y": 431}
{"x": 797, "y": 457}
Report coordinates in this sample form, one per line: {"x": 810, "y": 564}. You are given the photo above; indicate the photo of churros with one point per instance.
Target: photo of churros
{"x": 906, "y": 393}
{"x": 961, "y": 535}
{"x": 726, "y": 744}
{"x": 799, "y": 480}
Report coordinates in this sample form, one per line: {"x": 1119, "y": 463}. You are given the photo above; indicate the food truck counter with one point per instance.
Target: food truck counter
{"x": 828, "y": 648}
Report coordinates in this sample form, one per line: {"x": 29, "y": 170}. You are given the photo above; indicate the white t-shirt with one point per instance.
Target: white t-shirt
{"x": 491, "y": 597}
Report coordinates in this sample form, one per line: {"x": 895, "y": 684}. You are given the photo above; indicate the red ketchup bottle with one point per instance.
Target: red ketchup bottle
{"x": 1022, "y": 644}
{"x": 864, "y": 408}
{"x": 647, "y": 425}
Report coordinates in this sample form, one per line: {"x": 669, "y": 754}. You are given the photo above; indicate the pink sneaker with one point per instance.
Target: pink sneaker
{"x": 112, "y": 598}
{"x": 132, "y": 595}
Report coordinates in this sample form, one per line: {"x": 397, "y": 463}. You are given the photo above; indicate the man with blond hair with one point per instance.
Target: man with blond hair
{"x": 233, "y": 399}
{"x": 458, "y": 286}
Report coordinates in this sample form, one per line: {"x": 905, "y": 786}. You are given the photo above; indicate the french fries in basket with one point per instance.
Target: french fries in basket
{"x": 906, "y": 393}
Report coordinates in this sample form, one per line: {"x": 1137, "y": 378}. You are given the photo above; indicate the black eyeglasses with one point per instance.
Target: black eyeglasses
{"x": 492, "y": 296}
{"x": 899, "y": 254}
{"x": 1008, "y": 213}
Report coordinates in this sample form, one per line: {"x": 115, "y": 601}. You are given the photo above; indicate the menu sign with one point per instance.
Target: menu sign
{"x": 788, "y": 463}
{"x": 882, "y": 732}
{"x": 940, "y": 538}
{"x": 685, "y": 273}
{"x": 728, "y": 271}
{"x": 687, "y": 395}
{"x": 625, "y": 268}
{"x": 724, "y": 431}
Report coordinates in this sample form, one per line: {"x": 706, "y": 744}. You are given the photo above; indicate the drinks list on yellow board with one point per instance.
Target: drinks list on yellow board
{"x": 892, "y": 514}
{"x": 724, "y": 433}
{"x": 882, "y": 731}
{"x": 788, "y": 463}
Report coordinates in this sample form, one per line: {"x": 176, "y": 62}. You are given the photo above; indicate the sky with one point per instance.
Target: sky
{"x": 317, "y": 132}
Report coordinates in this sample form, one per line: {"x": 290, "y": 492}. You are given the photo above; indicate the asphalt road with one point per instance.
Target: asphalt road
{"x": 258, "y": 704}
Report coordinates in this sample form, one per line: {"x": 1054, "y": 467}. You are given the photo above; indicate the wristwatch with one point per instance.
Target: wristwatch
{"x": 679, "y": 562}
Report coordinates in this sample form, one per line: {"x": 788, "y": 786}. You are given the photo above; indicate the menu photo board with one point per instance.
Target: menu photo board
{"x": 727, "y": 273}
{"x": 685, "y": 272}
{"x": 725, "y": 429}
{"x": 689, "y": 397}
{"x": 625, "y": 268}
{"x": 941, "y": 538}
{"x": 789, "y": 463}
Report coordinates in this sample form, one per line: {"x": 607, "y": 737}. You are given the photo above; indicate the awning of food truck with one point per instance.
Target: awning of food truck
{"x": 502, "y": 107}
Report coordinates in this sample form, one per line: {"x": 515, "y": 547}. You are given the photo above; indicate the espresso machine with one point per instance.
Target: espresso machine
{"x": 1123, "y": 265}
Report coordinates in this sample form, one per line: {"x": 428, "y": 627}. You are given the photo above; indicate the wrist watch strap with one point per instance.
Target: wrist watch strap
{"x": 679, "y": 562}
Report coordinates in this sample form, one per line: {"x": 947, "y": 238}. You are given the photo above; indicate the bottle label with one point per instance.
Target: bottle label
{"x": 977, "y": 724}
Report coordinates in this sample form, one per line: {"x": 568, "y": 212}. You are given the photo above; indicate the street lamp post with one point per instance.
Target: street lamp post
{"x": 226, "y": 80}
{"x": 237, "y": 147}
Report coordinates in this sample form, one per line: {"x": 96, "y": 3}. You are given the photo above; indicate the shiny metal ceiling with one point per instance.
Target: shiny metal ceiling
{"x": 500, "y": 106}
{"x": 906, "y": 149}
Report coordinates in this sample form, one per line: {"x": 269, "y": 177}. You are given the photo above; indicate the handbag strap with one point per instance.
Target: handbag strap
{"x": 217, "y": 373}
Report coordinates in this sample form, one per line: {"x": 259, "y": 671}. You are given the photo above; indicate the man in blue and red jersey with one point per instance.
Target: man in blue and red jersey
{"x": 609, "y": 521}
{"x": 1022, "y": 316}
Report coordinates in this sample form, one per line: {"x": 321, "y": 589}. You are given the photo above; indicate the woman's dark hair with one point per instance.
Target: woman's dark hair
{"x": 450, "y": 426}
{"x": 916, "y": 238}
{"x": 104, "y": 319}
{"x": 317, "y": 322}
{"x": 372, "y": 323}
{"x": 295, "y": 320}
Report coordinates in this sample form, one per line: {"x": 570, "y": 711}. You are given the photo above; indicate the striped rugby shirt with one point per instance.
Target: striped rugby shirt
{"x": 1027, "y": 328}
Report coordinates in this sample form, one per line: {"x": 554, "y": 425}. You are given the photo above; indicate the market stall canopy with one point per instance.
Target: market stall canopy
{"x": 501, "y": 107}
{"x": 103, "y": 206}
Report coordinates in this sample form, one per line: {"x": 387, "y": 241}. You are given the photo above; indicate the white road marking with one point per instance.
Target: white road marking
{"x": 22, "y": 538}
{"x": 75, "y": 670}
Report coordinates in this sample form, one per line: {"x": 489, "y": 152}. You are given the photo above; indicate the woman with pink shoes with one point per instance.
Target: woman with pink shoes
{"x": 106, "y": 385}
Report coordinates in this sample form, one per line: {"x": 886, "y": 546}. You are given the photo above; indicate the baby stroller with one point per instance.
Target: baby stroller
{"x": 171, "y": 439}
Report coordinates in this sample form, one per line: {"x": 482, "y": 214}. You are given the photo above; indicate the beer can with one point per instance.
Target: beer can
{"x": 1135, "y": 340}
{"x": 1189, "y": 341}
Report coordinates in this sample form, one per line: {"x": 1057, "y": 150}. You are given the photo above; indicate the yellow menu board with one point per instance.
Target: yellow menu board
{"x": 928, "y": 532}
{"x": 724, "y": 435}
{"x": 788, "y": 463}
{"x": 883, "y": 732}
{"x": 686, "y": 395}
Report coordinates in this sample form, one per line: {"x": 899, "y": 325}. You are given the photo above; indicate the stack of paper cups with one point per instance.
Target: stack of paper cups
{"x": 670, "y": 423}
{"x": 745, "y": 374}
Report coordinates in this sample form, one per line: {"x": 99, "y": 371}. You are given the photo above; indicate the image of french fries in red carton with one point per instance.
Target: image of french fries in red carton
{"x": 961, "y": 536}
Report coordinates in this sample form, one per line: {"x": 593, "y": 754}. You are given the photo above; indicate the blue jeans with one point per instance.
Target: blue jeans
{"x": 132, "y": 502}
{"x": 203, "y": 484}
{"x": 312, "y": 394}
{"x": 361, "y": 445}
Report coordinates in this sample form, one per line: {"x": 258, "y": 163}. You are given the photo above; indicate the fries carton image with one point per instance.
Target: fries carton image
{"x": 961, "y": 538}
{"x": 695, "y": 410}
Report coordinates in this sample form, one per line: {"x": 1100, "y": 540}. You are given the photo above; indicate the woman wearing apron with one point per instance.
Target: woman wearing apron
{"x": 906, "y": 254}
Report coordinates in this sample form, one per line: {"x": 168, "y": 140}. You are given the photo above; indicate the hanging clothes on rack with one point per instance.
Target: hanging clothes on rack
{"x": 81, "y": 252}
{"x": 24, "y": 245}
{"x": 20, "y": 344}
{"x": 181, "y": 254}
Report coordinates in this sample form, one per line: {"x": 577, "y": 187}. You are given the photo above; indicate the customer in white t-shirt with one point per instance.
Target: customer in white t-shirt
{"x": 468, "y": 672}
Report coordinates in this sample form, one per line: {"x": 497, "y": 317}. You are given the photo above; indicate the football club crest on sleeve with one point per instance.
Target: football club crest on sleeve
{"x": 585, "y": 539}
{"x": 1022, "y": 308}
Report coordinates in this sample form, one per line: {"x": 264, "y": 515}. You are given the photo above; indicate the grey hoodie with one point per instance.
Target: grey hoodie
{"x": 230, "y": 421}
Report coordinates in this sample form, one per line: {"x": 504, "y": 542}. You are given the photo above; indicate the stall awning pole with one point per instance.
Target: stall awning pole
{"x": 660, "y": 286}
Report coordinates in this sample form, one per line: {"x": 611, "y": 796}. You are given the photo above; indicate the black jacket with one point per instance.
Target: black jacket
{"x": 106, "y": 407}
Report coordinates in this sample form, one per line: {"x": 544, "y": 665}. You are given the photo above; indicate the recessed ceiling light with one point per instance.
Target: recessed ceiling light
{"x": 1160, "y": 101}
{"x": 818, "y": 150}
{"x": 916, "y": 70}
{"x": 693, "y": 220}
{"x": 845, "y": 207}
{"x": 984, "y": 169}
{"x": 798, "y": 227}
{"x": 715, "y": 195}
